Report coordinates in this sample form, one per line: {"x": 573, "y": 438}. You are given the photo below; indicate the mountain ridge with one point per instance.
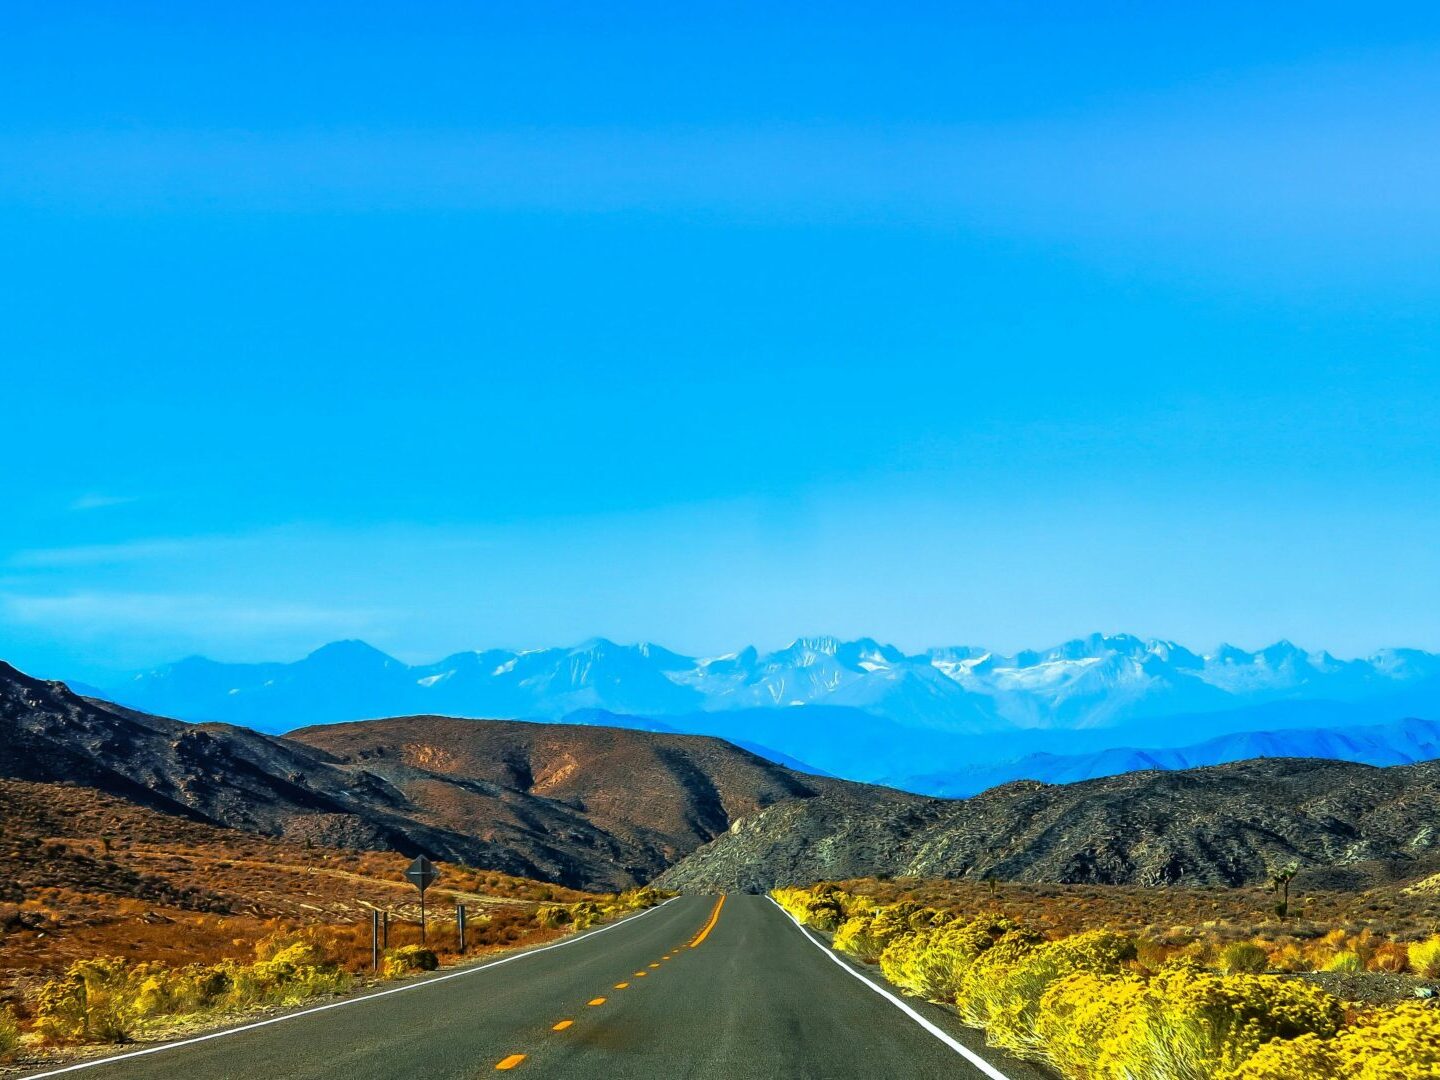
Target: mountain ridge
{"x": 1092, "y": 682}
{"x": 1405, "y": 742}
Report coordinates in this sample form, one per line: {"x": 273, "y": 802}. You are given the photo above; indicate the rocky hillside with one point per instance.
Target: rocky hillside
{"x": 1214, "y": 826}
{"x": 584, "y": 806}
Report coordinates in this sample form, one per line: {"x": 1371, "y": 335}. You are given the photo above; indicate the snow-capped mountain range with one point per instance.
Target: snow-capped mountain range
{"x": 1088, "y": 684}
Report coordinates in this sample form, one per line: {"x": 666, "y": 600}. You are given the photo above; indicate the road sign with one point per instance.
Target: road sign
{"x": 422, "y": 873}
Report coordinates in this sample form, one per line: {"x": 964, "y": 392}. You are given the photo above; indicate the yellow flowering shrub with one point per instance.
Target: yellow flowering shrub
{"x": 1425, "y": 958}
{"x": 973, "y": 997}
{"x": 867, "y": 933}
{"x": 930, "y": 963}
{"x": 95, "y": 1001}
{"x": 408, "y": 959}
{"x": 823, "y": 907}
{"x": 109, "y": 999}
{"x": 1093, "y": 1008}
{"x": 1080, "y": 1017}
{"x": 1308, "y": 1057}
{"x": 1346, "y": 962}
{"x": 1005, "y": 998}
{"x": 1402, "y": 1043}
{"x": 1199, "y": 1023}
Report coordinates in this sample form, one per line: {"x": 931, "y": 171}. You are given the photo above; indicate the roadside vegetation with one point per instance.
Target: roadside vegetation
{"x": 119, "y": 923}
{"x": 116, "y": 1000}
{"x": 1172, "y": 1002}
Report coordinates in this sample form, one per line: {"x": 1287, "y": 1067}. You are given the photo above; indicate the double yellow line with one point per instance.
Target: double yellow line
{"x": 507, "y": 1063}
{"x": 705, "y": 930}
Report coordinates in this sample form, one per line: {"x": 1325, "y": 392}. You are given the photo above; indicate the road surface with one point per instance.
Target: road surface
{"x": 702, "y": 987}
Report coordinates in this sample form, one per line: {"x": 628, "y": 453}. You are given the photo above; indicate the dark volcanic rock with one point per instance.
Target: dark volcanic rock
{"x": 1223, "y": 825}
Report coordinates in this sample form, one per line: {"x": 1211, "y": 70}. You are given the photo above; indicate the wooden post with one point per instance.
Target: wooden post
{"x": 460, "y": 924}
{"x": 374, "y": 940}
{"x": 385, "y": 928}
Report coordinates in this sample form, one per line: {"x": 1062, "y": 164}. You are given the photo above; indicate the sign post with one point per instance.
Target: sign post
{"x": 374, "y": 940}
{"x": 422, "y": 874}
{"x": 460, "y": 924}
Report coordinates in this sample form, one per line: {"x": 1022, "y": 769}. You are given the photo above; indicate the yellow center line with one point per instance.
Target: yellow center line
{"x": 641, "y": 974}
{"x": 596, "y": 1001}
{"x": 510, "y": 1062}
{"x": 621, "y": 986}
{"x": 705, "y": 930}
{"x": 562, "y": 1025}
{"x": 654, "y": 965}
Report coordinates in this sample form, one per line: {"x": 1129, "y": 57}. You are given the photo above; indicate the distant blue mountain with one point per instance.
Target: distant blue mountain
{"x": 1399, "y": 743}
{"x": 1093, "y": 682}
{"x": 857, "y": 709}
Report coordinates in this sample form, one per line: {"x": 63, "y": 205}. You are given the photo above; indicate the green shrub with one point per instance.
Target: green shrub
{"x": 1244, "y": 957}
{"x": 553, "y": 916}
{"x": 1347, "y": 962}
{"x": 9, "y": 1033}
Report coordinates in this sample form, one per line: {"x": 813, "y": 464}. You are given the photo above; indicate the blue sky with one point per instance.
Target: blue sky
{"x": 461, "y": 325}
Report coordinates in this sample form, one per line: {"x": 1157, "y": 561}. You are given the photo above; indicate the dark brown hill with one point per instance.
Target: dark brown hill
{"x": 584, "y": 806}
{"x": 617, "y": 800}
{"x": 1223, "y": 825}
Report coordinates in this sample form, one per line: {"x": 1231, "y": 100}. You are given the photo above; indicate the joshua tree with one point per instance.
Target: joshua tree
{"x": 1280, "y": 879}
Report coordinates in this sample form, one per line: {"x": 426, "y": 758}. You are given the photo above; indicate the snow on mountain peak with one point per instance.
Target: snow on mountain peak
{"x": 1095, "y": 680}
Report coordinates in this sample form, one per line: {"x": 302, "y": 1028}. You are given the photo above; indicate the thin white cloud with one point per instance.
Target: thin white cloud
{"x": 221, "y": 615}
{"x": 100, "y": 554}
{"x": 97, "y": 501}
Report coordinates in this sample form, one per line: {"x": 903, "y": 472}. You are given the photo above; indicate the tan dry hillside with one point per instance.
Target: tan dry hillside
{"x": 589, "y": 807}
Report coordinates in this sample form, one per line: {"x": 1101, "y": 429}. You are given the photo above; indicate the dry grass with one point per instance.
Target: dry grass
{"x": 85, "y": 875}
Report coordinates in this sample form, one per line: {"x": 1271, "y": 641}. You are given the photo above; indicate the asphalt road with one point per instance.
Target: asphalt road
{"x": 698, "y": 988}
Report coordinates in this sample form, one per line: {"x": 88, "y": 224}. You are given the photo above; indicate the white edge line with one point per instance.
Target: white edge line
{"x": 939, "y": 1033}
{"x": 346, "y": 1002}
